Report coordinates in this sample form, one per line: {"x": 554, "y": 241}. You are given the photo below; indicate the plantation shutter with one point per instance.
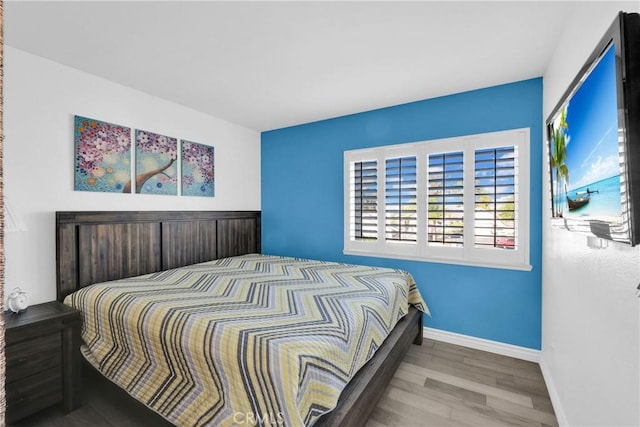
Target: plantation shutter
{"x": 400, "y": 199}
{"x": 445, "y": 192}
{"x": 461, "y": 200}
{"x": 364, "y": 187}
{"x": 496, "y": 198}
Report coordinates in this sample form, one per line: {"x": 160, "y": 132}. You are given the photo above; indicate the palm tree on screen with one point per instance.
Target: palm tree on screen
{"x": 559, "y": 158}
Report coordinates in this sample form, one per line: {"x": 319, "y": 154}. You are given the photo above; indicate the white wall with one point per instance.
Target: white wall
{"x": 591, "y": 317}
{"x": 40, "y": 99}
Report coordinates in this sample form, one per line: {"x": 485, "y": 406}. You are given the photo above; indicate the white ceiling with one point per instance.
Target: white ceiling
{"x": 266, "y": 65}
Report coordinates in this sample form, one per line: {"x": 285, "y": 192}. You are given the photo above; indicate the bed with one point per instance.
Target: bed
{"x": 180, "y": 257}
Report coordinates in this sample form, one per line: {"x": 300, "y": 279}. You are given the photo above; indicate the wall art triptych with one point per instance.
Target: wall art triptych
{"x": 103, "y": 156}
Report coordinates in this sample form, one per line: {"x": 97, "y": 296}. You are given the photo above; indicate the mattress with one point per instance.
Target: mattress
{"x": 249, "y": 339}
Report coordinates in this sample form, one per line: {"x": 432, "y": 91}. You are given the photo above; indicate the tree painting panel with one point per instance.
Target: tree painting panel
{"x": 156, "y": 168}
{"x": 103, "y": 156}
{"x": 197, "y": 169}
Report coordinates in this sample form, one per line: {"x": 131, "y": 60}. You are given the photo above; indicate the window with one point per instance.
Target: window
{"x": 446, "y": 199}
{"x": 494, "y": 204}
{"x": 400, "y": 199}
{"x": 365, "y": 200}
{"x": 461, "y": 200}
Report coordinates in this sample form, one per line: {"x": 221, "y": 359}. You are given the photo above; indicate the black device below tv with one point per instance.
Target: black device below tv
{"x": 594, "y": 140}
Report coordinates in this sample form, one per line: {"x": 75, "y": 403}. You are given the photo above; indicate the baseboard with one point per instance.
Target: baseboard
{"x": 483, "y": 344}
{"x": 553, "y": 394}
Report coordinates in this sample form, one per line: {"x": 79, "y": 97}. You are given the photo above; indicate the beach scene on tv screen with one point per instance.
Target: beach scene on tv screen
{"x": 585, "y": 159}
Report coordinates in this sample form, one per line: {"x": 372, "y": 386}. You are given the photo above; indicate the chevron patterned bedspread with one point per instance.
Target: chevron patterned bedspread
{"x": 242, "y": 340}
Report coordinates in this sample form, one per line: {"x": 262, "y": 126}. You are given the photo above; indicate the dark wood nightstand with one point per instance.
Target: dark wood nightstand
{"x": 43, "y": 359}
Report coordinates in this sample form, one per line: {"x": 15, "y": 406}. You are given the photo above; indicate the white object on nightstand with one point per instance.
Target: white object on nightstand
{"x": 18, "y": 300}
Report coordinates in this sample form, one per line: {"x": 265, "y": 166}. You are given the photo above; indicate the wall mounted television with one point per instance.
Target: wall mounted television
{"x": 594, "y": 140}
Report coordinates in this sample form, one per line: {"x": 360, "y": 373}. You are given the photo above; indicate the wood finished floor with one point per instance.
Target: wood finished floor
{"x": 437, "y": 384}
{"x": 441, "y": 384}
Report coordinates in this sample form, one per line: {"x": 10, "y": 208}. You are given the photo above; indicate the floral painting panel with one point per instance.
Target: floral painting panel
{"x": 103, "y": 156}
{"x": 197, "y": 169}
{"x": 156, "y": 167}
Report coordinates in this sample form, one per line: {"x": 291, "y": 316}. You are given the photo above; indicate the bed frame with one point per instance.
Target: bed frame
{"x": 109, "y": 245}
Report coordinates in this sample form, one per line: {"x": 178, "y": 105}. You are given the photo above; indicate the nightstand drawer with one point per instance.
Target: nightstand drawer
{"x": 33, "y": 393}
{"x": 29, "y": 357}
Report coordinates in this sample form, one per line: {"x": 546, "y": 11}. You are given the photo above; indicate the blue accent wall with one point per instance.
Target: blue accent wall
{"x": 303, "y": 202}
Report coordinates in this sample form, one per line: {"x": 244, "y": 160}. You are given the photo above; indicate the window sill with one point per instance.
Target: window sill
{"x": 471, "y": 263}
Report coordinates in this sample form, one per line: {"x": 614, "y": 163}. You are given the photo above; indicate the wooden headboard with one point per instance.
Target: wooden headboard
{"x": 94, "y": 247}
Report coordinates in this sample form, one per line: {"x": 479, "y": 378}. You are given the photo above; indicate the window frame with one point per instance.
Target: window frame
{"x": 468, "y": 254}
